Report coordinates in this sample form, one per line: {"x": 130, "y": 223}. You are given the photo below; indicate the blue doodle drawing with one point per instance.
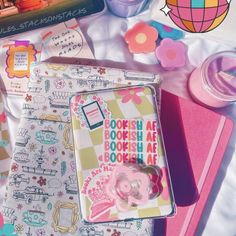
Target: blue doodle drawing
{"x": 34, "y": 218}
{"x": 46, "y": 137}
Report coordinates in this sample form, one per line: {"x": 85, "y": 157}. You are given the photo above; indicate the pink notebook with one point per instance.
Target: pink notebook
{"x": 195, "y": 140}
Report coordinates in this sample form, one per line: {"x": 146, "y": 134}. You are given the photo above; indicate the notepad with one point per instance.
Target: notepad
{"x": 195, "y": 140}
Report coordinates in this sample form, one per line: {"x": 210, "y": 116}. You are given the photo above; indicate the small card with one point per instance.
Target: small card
{"x": 17, "y": 55}
{"x": 65, "y": 40}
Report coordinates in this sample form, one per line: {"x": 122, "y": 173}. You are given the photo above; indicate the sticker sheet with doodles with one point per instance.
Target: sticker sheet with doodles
{"x": 121, "y": 162}
{"x": 42, "y": 197}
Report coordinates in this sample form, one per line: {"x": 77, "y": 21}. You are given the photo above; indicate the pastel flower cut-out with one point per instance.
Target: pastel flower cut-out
{"x": 171, "y": 54}
{"x": 131, "y": 94}
{"x": 128, "y": 187}
{"x": 141, "y": 38}
{"x": 166, "y": 31}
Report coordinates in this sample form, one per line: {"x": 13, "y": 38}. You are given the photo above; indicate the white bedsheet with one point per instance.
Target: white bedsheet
{"x": 105, "y": 35}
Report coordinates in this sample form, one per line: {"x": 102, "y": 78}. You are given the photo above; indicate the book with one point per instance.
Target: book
{"x": 195, "y": 142}
{"x": 24, "y": 15}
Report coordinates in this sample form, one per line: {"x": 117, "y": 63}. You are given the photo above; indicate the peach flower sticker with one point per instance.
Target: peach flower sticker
{"x": 131, "y": 95}
{"x": 141, "y": 38}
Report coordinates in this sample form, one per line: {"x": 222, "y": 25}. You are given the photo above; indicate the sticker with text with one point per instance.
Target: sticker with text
{"x": 131, "y": 141}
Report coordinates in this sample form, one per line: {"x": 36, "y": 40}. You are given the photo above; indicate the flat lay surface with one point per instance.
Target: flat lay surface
{"x": 105, "y": 36}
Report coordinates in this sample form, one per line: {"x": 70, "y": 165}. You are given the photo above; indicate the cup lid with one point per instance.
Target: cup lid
{"x": 219, "y": 74}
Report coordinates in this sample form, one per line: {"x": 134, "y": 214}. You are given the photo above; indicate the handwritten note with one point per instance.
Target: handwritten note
{"x": 21, "y": 61}
{"x": 67, "y": 43}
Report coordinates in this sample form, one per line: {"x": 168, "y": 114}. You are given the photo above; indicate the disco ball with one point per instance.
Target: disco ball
{"x": 197, "y": 16}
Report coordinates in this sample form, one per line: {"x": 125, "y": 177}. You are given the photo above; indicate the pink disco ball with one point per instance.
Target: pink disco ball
{"x": 197, "y": 16}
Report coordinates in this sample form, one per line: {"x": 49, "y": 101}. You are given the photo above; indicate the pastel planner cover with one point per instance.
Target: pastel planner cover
{"x": 195, "y": 145}
{"x": 42, "y": 195}
{"x": 121, "y": 165}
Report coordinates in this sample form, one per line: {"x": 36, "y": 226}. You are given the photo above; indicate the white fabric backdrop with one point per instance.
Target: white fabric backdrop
{"x": 105, "y": 35}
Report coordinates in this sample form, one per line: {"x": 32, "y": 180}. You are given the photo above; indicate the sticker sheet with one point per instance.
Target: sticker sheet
{"x": 121, "y": 163}
{"x": 5, "y": 146}
{"x": 42, "y": 197}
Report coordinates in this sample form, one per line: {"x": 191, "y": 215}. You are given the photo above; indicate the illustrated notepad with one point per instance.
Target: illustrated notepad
{"x": 121, "y": 163}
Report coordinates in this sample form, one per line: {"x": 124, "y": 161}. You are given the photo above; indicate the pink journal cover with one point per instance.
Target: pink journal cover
{"x": 195, "y": 140}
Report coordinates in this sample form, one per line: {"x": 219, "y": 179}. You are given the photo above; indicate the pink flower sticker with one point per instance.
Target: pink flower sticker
{"x": 131, "y": 95}
{"x": 171, "y": 54}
